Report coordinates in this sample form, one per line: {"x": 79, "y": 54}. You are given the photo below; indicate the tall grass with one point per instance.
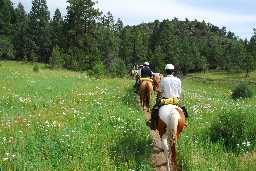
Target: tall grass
{"x": 60, "y": 120}
{"x": 214, "y": 118}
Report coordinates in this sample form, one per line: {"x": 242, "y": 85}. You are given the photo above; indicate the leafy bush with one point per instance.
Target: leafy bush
{"x": 56, "y": 59}
{"x": 36, "y": 68}
{"x": 119, "y": 68}
{"x": 236, "y": 129}
{"x": 99, "y": 70}
{"x": 241, "y": 91}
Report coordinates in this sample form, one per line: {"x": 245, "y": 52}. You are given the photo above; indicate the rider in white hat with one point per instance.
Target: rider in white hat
{"x": 170, "y": 85}
{"x": 170, "y": 88}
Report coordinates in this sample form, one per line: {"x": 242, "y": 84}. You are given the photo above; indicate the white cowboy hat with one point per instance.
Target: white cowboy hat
{"x": 169, "y": 66}
{"x": 146, "y": 63}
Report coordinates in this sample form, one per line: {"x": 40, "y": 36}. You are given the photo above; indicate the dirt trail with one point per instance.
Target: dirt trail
{"x": 157, "y": 157}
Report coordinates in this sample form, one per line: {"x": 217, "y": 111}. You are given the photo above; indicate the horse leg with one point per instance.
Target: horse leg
{"x": 173, "y": 156}
{"x": 145, "y": 100}
{"x": 166, "y": 150}
{"x": 141, "y": 99}
{"x": 148, "y": 104}
{"x": 148, "y": 94}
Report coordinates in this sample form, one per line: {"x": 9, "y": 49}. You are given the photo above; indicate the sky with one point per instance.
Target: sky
{"x": 238, "y": 16}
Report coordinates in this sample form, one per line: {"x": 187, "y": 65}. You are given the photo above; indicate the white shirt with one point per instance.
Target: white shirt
{"x": 170, "y": 86}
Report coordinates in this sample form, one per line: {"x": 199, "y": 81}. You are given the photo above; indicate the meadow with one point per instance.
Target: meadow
{"x": 63, "y": 120}
{"x": 209, "y": 102}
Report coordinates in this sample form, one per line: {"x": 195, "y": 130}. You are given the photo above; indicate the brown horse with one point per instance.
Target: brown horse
{"x": 146, "y": 89}
{"x": 170, "y": 125}
{"x": 156, "y": 82}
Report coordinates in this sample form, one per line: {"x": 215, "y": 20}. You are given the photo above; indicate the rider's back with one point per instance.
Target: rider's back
{"x": 170, "y": 86}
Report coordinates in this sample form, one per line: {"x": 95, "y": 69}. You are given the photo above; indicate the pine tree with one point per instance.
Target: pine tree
{"x": 39, "y": 17}
{"x": 249, "y": 61}
{"x": 107, "y": 40}
{"x": 21, "y": 36}
{"x": 57, "y": 34}
{"x": 7, "y": 17}
{"x": 126, "y": 45}
{"x": 81, "y": 18}
{"x": 56, "y": 59}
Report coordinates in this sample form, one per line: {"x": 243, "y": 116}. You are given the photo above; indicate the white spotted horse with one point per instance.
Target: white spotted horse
{"x": 170, "y": 124}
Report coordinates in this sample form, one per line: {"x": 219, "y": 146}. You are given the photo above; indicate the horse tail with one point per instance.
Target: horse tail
{"x": 149, "y": 89}
{"x": 172, "y": 127}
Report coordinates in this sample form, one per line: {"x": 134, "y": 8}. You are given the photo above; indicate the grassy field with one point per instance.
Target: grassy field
{"x": 227, "y": 77}
{"x": 206, "y": 101}
{"x": 62, "y": 120}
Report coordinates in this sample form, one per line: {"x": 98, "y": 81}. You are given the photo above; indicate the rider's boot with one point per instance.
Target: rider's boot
{"x": 184, "y": 110}
{"x": 154, "y": 117}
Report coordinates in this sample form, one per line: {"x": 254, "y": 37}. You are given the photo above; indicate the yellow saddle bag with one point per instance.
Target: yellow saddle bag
{"x": 173, "y": 101}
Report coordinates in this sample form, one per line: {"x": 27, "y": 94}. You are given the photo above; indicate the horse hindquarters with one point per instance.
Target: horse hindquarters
{"x": 141, "y": 93}
{"x": 170, "y": 117}
{"x": 148, "y": 91}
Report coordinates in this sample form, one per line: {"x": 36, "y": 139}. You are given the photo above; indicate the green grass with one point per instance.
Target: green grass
{"x": 62, "y": 120}
{"x": 226, "y": 76}
{"x": 206, "y": 102}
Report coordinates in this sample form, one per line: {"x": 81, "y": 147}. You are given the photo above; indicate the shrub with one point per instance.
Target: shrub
{"x": 241, "y": 91}
{"x": 119, "y": 68}
{"x": 36, "y": 68}
{"x": 235, "y": 129}
{"x": 56, "y": 59}
{"x": 99, "y": 70}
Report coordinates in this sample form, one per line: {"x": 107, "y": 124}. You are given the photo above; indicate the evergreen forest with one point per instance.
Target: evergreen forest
{"x": 88, "y": 40}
